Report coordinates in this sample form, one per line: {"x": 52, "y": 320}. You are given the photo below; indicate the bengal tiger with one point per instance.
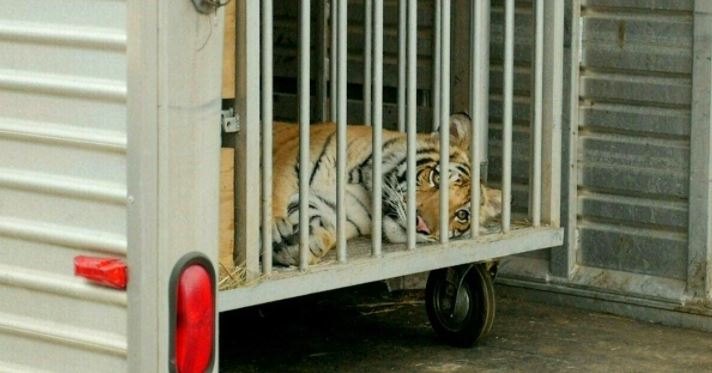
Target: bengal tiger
{"x": 322, "y": 191}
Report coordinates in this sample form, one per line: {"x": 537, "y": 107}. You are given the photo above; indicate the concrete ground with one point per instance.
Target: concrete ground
{"x": 366, "y": 329}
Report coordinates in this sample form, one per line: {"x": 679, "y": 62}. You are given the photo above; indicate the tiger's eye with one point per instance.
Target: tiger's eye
{"x": 434, "y": 177}
{"x": 463, "y": 216}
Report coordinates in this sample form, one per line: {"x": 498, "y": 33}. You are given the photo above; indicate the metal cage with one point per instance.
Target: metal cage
{"x": 362, "y": 261}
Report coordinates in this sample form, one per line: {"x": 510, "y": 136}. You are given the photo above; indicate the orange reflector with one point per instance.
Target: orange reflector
{"x": 195, "y": 320}
{"x": 104, "y": 271}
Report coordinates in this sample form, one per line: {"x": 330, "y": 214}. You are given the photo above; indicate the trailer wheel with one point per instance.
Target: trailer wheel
{"x": 461, "y": 310}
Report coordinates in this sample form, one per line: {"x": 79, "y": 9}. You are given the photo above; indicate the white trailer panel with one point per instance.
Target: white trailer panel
{"x": 62, "y": 183}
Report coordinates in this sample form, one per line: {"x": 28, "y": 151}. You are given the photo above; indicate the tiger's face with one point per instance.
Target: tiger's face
{"x": 428, "y": 199}
{"x": 428, "y": 184}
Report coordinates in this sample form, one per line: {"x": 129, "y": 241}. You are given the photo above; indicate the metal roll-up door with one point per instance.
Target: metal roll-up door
{"x": 634, "y": 128}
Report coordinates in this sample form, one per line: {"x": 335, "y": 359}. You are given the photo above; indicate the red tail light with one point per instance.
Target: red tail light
{"x": 103, "y": 271}
{"x": 194, "y": 315}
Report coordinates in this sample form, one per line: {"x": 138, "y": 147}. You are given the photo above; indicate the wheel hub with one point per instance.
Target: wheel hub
{"x": 452, "y": 305}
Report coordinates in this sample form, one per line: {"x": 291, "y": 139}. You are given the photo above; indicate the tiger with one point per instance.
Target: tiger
{"x": 322, "y": 187}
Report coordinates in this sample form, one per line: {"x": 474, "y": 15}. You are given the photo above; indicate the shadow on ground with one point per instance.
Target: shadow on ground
{"x": 366, "y": 329}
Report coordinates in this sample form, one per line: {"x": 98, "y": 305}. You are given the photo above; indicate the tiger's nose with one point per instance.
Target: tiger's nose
{"x": 421, "y": 226}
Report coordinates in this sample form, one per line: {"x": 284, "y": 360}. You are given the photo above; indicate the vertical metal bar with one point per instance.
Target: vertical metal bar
{"x": 304, "y": 163}
{"x": 476, "y": 103}
{"x": 538, "y": 68}
{"x": 341, "y": 138}
{"x": 247, "y": 152}
{"x": 507, "y": 120}
{"x": 563, "y": 258}
{"x": 553, "y": 76}
{"x": 322, "y": 106}
{"x": 367, "y": 59}
{"x": 334, "y": 51}
{"x": 699, "y": 270}
{"x": 445, "y": 121}
{"x": 437, "y": 63}
{"x": 411, "y": 119}
{"x": 481, "y": 116}
{"x": 266, "y": 136}
{"x": 402, "y": 46}
{"x": 377, "y": 187}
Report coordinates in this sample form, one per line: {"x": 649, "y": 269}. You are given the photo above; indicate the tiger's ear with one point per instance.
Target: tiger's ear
{"x": 460, "y": 127}
{"x": 490, "y": 203}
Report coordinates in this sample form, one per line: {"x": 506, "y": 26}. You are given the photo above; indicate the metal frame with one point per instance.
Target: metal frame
{"x": 304, "y": 163}
{"x": 402, "y": 51}
{"x": 267, "y": 121}
{"x": 479, "y": 100}
{"x": 411, "y": 114}
{"x": 333, "y": 50}
{"x": 392, "y": 264}
{"x": 437, "y": 61}
{"x": 341, "y": 136}
{"x": 367, "y": 61}
{"x": 322, "y": 63}
{"x": 536, "y": 116}
{"x": 247, "y": 154}
{"x": 551, "y": 112}
{"x": 444, "y": 114}
{"x": 377, "y": 146}
{"x": 389, "y": 260}
{"x": 563, "y": 259}
{"x": 480, "y": 107}
{"x": 173, "y": 134}
{"x": 507, "y": 95}
{"x": 699, "y": 276}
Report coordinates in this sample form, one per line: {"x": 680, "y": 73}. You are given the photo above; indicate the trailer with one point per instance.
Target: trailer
{"x": 111, "y": 127}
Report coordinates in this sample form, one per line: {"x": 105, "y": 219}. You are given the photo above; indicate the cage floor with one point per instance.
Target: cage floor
{"x": 361, "y": 247}
{"x": 362, "y": 267}
{"x": 358, "y": 248}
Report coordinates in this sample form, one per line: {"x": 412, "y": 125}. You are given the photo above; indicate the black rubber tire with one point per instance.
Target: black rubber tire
{"x": 473, "y": 320}
{"x": 488, "y": 288}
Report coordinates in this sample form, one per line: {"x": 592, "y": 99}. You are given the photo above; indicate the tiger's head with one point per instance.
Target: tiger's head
{"x": 428, "y": 188}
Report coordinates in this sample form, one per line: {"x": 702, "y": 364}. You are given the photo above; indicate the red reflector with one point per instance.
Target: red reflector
{"x": 195, "y": 320}
{"x": 104, "y": 271}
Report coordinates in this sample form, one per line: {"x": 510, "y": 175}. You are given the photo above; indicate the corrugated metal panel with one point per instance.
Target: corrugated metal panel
{"x": 634, "y": 125}
{"x": 644, "y": 5}
{"x": 62, "y": 182}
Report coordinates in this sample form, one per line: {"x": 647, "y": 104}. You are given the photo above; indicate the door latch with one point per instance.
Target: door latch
{"x": 229, "y": 121}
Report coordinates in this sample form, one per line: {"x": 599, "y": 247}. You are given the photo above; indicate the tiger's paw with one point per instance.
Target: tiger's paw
{"x": 286, "y": 241}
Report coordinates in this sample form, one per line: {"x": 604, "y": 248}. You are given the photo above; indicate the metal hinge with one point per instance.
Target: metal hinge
{"x": 229, "y": 121}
